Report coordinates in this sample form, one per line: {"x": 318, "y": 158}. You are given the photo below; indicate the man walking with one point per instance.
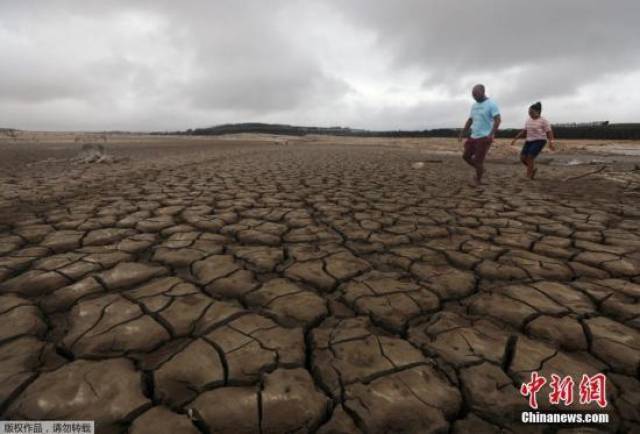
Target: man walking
{"x": 483, "y": 121}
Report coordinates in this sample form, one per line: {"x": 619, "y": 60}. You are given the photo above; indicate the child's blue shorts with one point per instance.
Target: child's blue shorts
{"x": 533, "y": 148}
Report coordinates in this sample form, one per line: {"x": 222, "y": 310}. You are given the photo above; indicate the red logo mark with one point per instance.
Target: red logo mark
{"x": 531, "y": 388}
{"x": 562, "y": 390}
{"x": 593, "y": 389}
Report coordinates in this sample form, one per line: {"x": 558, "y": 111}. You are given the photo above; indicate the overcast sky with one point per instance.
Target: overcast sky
{"x": 377, "y": 64}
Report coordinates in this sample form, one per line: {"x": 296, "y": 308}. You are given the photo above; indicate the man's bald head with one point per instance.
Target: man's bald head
{"x": 478, "y": 92}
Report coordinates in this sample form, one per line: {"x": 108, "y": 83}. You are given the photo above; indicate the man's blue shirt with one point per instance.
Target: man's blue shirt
{"x": 482, "y": 114}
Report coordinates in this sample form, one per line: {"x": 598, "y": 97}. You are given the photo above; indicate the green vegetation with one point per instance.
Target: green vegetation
{"x": 604, "y": 130}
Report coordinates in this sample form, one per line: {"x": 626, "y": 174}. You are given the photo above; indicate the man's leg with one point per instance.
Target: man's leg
{"x": 469, "y": 151}
{"x": 471, "y": 147}
{"x": 479, "y": 171}
{"x": 483, "y": 149}
{"x": 468, "y": 158}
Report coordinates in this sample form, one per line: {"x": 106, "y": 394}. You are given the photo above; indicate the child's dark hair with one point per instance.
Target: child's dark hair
{"x": 536, "y": 107}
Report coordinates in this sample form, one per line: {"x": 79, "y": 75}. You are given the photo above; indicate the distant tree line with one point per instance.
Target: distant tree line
{"x": 605, "y": 132}
{"x": 598, "y": 130}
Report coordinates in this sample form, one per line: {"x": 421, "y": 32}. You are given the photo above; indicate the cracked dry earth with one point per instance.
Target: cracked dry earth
{"x": 324, "y": 289}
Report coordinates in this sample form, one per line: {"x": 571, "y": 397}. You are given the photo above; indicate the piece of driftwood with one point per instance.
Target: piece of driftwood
{"x": 593, "y": 172}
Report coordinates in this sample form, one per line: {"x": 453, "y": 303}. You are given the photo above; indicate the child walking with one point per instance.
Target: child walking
{"x": 537, "y": 131}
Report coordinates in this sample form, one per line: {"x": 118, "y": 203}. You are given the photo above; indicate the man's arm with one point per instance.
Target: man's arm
{"x": 496, "y": 123}
{"x": 465, "y": 130}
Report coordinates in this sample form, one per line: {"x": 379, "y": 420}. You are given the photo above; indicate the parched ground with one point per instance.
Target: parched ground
{"x": 241, "y": 286}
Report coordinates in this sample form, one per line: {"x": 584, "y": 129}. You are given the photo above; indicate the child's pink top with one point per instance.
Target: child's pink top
{"x": 537, "y": 129}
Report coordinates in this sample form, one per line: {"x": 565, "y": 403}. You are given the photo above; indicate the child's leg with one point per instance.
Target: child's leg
{"x": 524, "y": 156}
{"x": 527, "y": 160}
{"x": 531, "y": 170}
{"x": 537, "y": 147}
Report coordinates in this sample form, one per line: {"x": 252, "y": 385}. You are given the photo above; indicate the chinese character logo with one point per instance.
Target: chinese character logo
{"x": 532, "y": 388}
{"x": 591, "y": 389}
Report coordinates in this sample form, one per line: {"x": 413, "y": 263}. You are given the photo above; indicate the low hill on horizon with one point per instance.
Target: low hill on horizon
{"x": 593, "y": 130}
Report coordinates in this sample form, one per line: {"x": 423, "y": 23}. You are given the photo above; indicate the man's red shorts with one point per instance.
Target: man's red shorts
{"x": 476, "y": 149}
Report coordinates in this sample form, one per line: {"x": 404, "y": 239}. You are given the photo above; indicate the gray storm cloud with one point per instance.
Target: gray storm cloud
{"x": 556, "y": 46}
{"x": 161, "y": 65}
